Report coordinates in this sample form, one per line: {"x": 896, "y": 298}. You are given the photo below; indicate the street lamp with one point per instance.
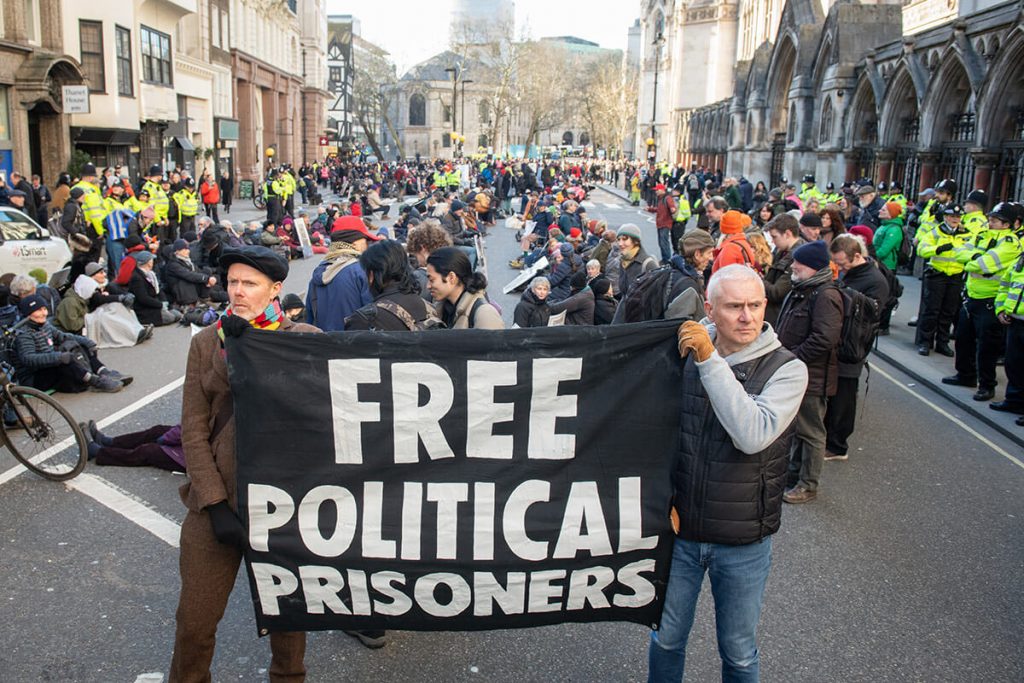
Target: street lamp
{"x": 464, "y": 82}
{"x": 652, "y": 152}
{"x": 454, "y": 70}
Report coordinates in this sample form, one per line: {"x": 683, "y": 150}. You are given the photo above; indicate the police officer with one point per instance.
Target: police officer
{"x": 808, "y": 191}
{"x": 931, "y": 217}
{"x": 187, "y": 204}
{"x": 92, "y": 209}
{"x": 943, "y": 282}
{"x": 974, "y": 212}
{"x": 831, "y": 196}
{"x": 979, "y": 336}
{"x": 896, "y": 195}
{"x": 1010, "y": 311}
{"x": 272, "y": 191}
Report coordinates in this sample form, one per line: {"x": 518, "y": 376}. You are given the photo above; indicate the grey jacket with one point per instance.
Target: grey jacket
{"x": 753, "y": 422}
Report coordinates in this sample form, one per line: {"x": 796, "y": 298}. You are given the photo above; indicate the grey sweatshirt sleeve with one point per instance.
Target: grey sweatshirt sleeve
{"x": 753, "y": 422}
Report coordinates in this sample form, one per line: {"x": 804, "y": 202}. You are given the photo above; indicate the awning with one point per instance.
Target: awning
{"x": 104, "y": 136}
{"x": 184, "y": 143}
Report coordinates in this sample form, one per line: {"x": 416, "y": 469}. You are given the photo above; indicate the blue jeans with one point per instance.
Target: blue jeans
{"x": 115, "y": 254}
{"x": 665, "y": 244}
{"x": 738, "y": 574}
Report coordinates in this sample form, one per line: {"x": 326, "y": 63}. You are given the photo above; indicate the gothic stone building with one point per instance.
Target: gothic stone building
{"x": 852, "y": 93}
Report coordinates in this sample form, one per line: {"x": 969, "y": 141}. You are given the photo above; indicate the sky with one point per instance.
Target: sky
{"x": 413, "y": 30}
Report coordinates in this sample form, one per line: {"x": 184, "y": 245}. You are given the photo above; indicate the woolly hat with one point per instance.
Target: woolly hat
{"x": 575, "y": 233}
{"x": 813, "y": 255}
{"x": 180, "y": 244}
{"x": 457, "y": 205}
{"x": 732, "y": 222}
{"x": 30, "y": 304}
{"x": 143, "y": 256}
{"x": 600, "y": 285}
{"x": 863, "y": 231}
{"x": 92, "y": 268}
{"x": 578, "y": 280}
{"x": 629, "y": 230}
{"x": 566, "y": 249}
{"x": 894, "y": 209}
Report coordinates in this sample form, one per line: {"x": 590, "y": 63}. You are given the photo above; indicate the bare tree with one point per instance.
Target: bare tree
{"x": 373, "y": 87}
{"x": 608, "y": 99}
{"x": 539, "y": 95}
{"x": 495, "y": 54}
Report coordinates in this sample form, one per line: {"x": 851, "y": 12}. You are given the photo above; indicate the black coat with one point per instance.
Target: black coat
{"x": 869, "y": 281}
{"x": 604, "y": 310}
{"x": 810, "y": 324}
{"x": 579, "y": 308}
{"x": 531, "y": 311}
{"x": 147, "y": 304}
{"x": 185, "y": 282}
{"x": 777, "y": 282}
{"x": 373, "y": 317}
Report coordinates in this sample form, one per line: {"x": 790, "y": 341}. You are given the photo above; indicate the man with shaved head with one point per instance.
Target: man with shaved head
{"x": 741, "y": 392}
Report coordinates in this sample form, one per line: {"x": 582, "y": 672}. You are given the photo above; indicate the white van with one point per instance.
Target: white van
{"x": 25, "y": 246}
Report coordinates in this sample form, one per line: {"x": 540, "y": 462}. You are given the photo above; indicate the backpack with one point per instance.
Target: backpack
{"x": 431, "y": 322}
{"x": 905, "y": 253}
{"x": 860, "y": 325}
{"x": 692, "y": 182}
{"x": 650, "y": 296}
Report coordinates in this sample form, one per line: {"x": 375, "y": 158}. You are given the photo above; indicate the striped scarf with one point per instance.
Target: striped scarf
{"x": 269, "y": 319}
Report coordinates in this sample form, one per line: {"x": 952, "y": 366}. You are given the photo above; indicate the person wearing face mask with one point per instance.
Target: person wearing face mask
{"x": 810, "y": 324}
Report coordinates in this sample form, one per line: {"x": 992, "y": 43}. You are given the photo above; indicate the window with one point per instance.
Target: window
{"x": 485, "y": 113}
{"x": 335, "y": 78}
{"x": 446, "y": 140}
{"x": 156, "y": 57}
{"x": 123, "y": 43}
{"x": 417, "y": 110}
{"x": 5, "y": 121}
{"x": 214, "y": 27}
{"x": 90, "y": 34}
{"x": 447, "y": 113}
{"x": 32, "y": 27}
{"x": 825, "y": 134}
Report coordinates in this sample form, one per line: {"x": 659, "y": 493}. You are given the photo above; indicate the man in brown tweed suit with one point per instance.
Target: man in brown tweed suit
{"x": 212, "y": 534}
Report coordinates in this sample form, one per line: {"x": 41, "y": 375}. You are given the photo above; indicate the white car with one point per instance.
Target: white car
{"x": 25, "y": 246}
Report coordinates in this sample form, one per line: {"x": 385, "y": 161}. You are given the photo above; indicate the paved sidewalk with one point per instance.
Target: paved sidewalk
{"x": 898, "y": 349}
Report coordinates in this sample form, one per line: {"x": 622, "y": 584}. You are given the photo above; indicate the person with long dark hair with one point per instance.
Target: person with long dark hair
{"x": 397, "y": 304}
{"x": 460, "y": 292}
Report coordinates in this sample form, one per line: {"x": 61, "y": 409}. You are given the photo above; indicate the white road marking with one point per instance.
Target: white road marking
{"x": 955, "y": 420}
{"x": 128, "y": 506}
{"x": 608, "y": 205}
{"x": 110, "y": 419}
{"x": 589, "y": 204}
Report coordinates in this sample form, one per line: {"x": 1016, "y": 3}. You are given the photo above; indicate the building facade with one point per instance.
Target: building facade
{"x": 34, "y": 130}
{"x": 341, "y": 76}
{"x": 915, "y": 93}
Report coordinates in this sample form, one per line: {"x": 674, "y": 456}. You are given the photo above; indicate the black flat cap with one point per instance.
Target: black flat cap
{"x": 262, "y": 259}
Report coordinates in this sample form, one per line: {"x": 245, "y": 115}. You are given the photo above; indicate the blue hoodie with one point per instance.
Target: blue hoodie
{"x": 337, "y": 289}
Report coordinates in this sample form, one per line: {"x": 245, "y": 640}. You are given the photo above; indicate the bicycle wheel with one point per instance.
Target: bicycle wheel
{"x": 45, "y": 437}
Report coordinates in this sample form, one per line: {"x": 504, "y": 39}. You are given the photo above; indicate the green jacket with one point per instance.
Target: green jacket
{"x": 887, "y": 241}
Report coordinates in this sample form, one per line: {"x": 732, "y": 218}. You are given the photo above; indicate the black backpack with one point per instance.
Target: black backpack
{"x": 650, "y": 295}
{"x": 905, "y": 254}
{"x": 860, "y": 324}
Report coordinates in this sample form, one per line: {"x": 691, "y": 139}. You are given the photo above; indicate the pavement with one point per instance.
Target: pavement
{"x": 907, "y": 567}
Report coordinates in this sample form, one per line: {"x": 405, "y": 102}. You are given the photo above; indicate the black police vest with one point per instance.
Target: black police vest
{"x": 722, "y": 494}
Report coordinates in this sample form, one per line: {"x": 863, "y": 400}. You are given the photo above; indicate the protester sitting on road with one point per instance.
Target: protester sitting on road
{"x": 47, "y": 358}
{"x": 563, "y": 266}
{"x": 186, "y": 284}
{"x": 338, "y": 286}
{"x": 460, "y": 292}
{"x": 532, "y": 309}
{"x": 634, "y": 261}
{"x": 293, "y": 307}
{"x": 105, "y": 317}
{"x": 397, "y": 304}
{"x": 145, "y": 286}
{"x": 424, "y": 240}
{"x": 604, "y": 302}
{"x": 159, "y": 446}
{"x": 24, "y": 286}
{"x": 579, "y": 305}
{"x": 741, "y": 391}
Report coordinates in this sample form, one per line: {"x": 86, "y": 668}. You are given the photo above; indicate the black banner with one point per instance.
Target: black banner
{"x": 456, "y": 480}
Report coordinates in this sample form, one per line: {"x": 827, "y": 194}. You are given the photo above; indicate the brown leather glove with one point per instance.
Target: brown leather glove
{"x": 694, "y": 337}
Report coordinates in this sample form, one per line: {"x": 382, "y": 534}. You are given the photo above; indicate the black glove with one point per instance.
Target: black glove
{"x": 128, "y": 299}
{"x": 943, "y": 248}
{"x": 226, "y": 526}
{"x": 65, "y": 358}
{"x": 234, "y": 326}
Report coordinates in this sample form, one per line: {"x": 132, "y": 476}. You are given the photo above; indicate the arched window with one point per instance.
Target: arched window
{"x": 485, "y": 112}
{"x": 567, "y": 138}
{"x": 417, "y": 110}
{"x": 481, "y": 141}
{"x": 825, "y": 132}
{"x": 791, "y": 132}
{"x": 584, "y": 139}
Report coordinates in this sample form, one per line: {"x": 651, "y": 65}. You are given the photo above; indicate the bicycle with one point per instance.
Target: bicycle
{"x": 38, "y": 431}
{"x": 259, "y": 202}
